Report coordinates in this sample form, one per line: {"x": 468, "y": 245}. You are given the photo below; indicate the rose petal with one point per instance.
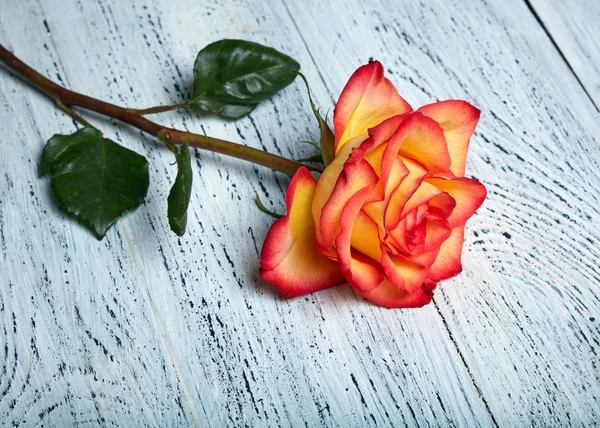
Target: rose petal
{"x": 422, "y": 139}
{"x": 367, "y": 100}
{"x": 328, "y": 180}
{"x": 365, "y": 236}
{"x": 411, "y": 193}
{"x": 437, "y": 232}
{"x": 430, "y": 285}
{"x": 390, "y": 296}
{"x": 442, "y": 206}
{"x": 289, "y": 258}
{"x": 468, "y": 193}
{"x": 421, "y": 196}
{"x": 458, "y": 119}
{"x": 358, "y": 271}
{"x": 363, "y": 273}
{"x": 425, "y": 259}
{"x": 357, "y": 175}
{"x": 402, "y": 273}
{"x": 448, "y": 264}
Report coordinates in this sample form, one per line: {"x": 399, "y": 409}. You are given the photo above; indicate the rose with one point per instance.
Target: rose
{"x": 388, "y": 214}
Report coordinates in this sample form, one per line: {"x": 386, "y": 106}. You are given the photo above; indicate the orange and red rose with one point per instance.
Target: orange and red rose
{"x": 388, "y": 214}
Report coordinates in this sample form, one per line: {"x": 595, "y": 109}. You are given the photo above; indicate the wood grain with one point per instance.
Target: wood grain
{"x": 524, "y": 311}
{"x": 79, "y": 343}
{"x": 246, "y": 355}
{"x": 512, "y": 340}
{"x": 573, "y": 26}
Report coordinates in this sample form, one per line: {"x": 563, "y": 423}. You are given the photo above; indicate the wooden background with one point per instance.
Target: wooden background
{"x": 145, "y": 328}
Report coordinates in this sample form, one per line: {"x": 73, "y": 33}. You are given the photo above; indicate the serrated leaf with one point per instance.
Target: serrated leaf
{"x": 327, "y": 138}
{"x": 232, "y": 76}
{"x": 179, "y": 196}
{"x": 94, "y": 178}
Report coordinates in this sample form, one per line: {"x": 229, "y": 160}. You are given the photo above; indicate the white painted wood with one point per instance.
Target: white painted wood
{"x": 524, "y": 313}
{"x": 79, "y": 342}
{"x": 233, "y": 352}
{"x": 245, "y": 355}
{"x": 574, "y": 26}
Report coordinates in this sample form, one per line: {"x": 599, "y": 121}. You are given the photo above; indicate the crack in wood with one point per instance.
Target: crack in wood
{"x": 559, "y": 50}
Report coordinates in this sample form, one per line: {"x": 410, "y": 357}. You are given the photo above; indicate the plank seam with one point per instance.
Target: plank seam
{"x": 463, "y": 359}
{"x": 559, "y": 50}
{"x": 450, "y": 335}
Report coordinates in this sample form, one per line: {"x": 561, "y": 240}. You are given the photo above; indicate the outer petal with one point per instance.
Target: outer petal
{"x": 448, "y": 262}
{"x": 365, "y": 236}
{"x": 358, "y": 271}
{"x": 390, "y": 296}
{"x": 458, "y": 119}
{"x": 367, "y": 99}
{"x": 364, "y": 274}
{"x": 357, "y": 175}
{"x": 468, "y": 193}
{"x": 422, "y": 139}
{"x": 402, "y": 273}
{"x": 289, "y": 258}
{"x": 328, "y": 180}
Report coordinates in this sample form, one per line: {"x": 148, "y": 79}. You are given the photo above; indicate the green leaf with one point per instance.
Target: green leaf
{"x": 94, "y": 179}
{"x": 232, "y": 76}
{"x": 327, "y": 138}
{"x": 179, "y": 197}
{"x": 230, "y": 111}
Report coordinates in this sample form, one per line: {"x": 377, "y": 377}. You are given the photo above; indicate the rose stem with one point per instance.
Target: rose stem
{"x": 160, "y": 109}
{"x": 66, "y": 98}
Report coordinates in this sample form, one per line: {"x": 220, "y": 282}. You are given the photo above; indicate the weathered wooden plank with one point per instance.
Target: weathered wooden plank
{"x": 574, "y": 28}
{"x": 524, "y": 311}
{"x": 247, "y": 356}
{"x": 79, "y": 343}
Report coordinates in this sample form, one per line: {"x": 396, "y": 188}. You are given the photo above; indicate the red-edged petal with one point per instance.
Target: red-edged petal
{"x": 425, "y": 192}
{"x": 468, "y": 193}
{"x": 422, "y": 139}
{"x": 458, "y": 119}
{"x": 358, "y": 271}
{"x": 365, "y": 236}
{"x": 328, "y": 180}
{"x": 430, "y": 285}
{"x": 363, "y": 273}
{"x": 425, "y": 259}
{"x": 388, "y": 295}
{"x": 438, "y": 230}
{"x": 448, "y": 262}
{"x": 402, "y": 273}
{"x": 442, "y": 206}
{"x": 356, "y": 176}
{"x": 367, "y": 100}
{"x": 407, "y": 187}
{"x": 289, "y": 257}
